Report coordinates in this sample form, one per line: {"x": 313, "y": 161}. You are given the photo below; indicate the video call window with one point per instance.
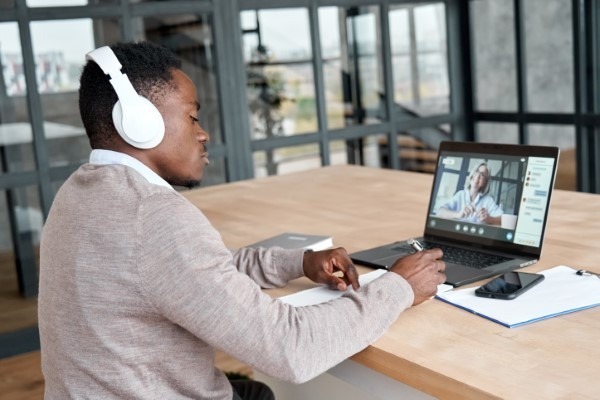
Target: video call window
{"x": 492, "y": 197}
{"x": 459, "y": 173}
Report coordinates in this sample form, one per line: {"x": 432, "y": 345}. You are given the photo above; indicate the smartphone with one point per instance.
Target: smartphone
{"x": 509, "y": 286}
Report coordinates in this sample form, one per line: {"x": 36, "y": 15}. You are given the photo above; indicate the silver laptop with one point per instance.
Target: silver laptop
{"x": 487, "y": 211}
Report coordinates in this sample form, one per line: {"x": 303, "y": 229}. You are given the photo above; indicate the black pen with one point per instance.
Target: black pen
{"x": 583, "y": 272}
{"x": 415, "y": 244}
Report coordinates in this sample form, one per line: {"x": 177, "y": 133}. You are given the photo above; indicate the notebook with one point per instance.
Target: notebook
{"x": 498, "y": 228}
{"x": 293, "y": 240}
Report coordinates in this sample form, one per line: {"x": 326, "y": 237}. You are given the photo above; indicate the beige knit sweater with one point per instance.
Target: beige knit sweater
{"x": 137, "y": 289}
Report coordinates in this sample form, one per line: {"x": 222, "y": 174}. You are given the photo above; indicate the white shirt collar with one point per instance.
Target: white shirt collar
{"x": 109, "y": 157}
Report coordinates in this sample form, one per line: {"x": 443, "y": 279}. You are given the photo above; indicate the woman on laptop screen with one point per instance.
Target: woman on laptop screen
{"x": 473, "y": 203}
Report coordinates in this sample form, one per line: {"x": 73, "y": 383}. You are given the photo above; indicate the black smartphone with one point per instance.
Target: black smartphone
{"x": 509, "y": 286}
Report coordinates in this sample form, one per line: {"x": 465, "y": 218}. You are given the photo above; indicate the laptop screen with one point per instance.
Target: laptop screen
{"x": 496, "y": 196}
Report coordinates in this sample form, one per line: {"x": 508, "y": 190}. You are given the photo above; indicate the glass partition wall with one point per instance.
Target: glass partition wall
{"x": 333, "y": 84}
{"x": 293, "y": 85}
{"x": 535, "y": 81}
{"x": 42, "y": 140}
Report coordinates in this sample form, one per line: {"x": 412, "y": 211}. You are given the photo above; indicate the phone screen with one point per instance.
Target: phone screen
{"x": 509, "y": 285}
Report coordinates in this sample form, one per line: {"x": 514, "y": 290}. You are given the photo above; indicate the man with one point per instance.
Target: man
{"x": 474, "y": 203}
{"x": 137, "y": 289}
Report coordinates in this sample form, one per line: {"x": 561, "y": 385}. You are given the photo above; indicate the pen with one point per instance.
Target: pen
{"x": 583, "y": 272}
{"x": 415, "y": 244}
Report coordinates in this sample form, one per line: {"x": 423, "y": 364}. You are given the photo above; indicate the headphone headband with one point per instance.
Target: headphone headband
{"x": 106, "y": 60}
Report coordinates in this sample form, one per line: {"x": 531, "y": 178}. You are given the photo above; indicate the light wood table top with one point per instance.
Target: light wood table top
{"x": 434, "y": 347}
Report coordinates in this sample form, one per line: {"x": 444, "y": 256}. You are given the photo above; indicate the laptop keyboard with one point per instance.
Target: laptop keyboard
{"x": 469, "y": 258}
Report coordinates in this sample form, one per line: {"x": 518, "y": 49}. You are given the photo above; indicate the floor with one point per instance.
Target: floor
{"x": 21, "y": 377}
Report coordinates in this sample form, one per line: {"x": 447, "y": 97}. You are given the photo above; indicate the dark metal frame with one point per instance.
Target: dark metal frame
{"x": 586, "y": 116}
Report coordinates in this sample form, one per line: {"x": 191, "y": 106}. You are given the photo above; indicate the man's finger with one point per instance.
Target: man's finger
{"x": 436, "y": 253}
{"x": 351, "y": 276}
{"x": 335, "y": 282}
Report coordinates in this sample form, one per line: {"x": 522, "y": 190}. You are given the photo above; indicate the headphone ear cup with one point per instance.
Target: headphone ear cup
{"x": 136, "y": 119}
{"x": 139, "y": 123}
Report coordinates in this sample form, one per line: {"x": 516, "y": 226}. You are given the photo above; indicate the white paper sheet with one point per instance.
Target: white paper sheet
{"x": 323, "y": 294}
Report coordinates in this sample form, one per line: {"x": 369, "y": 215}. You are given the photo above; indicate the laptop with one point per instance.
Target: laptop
{"x": 487, "y": 210}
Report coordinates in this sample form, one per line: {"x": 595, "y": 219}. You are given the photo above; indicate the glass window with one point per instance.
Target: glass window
{"x": 549, "y": 55}
{"x": 197, "y": 55}
{"x": 280, "y": 79}
{"x": 190, "y": 37}
{"x": 419, "y": 59}
{"x": 368, "y": 150}
{"x": 59, "y": 60}
{"x": 329, "y": 29}
{"x": 337, "y": 152}
{"x": 365, "y": 64}
{"x": 552, "y": 135}
{"x": 352, "y": 65}
{"x": 364, "y": 45}
{"x": 56, "y": 185}
{"x": 21, "y": 222}
{"x": 339, "y": 112}
{"x": 13, "y": 77}
{"x": 16, "y": 147}
{"x": 281, "y": 100}
{"x": 432, "y": 53}
{"x": 403, "y": 45}
{"x": 333, "y": 74}
{"x": 417, "y": 148}
{"x": 493, "y": 52}
{"x": 496, "y": 132}
{"x": 564, "y": 138}
{"x": 248, "y": 21}
{"x": 286, "y": 160}
{"x": 282, "y": 35}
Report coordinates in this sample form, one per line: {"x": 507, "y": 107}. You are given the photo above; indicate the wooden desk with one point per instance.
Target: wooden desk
{"x": 434, "y": 347}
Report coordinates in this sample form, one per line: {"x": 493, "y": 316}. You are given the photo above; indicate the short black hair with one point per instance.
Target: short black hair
{"x": 147, "y": 65}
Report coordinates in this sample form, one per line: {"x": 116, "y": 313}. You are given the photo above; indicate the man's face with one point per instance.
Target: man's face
{"x": 182, "y": 155}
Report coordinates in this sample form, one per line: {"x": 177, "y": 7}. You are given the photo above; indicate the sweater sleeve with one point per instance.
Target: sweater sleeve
{"x": 189, "y": 277}
{"x": 269, "y": 267}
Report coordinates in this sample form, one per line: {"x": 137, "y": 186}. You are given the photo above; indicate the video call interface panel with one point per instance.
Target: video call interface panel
{"x": 519, "y": 185}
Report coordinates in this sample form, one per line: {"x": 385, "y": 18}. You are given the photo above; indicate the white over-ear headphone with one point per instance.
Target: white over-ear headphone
{"x": 136, "y": 119}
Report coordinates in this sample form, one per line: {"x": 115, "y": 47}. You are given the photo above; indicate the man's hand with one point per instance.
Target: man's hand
{"x": 320, "y": 266}
{"x": 424, "y": 271}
